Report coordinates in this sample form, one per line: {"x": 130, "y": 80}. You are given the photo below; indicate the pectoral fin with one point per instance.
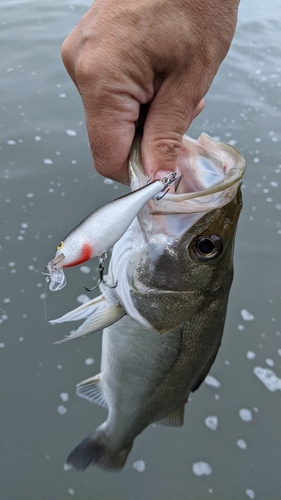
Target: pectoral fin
{"x": 80, "y": 312}
{"x": 174, "y": 419}
{"x": 99, "y": 315}
{"x": 91, "y": 389}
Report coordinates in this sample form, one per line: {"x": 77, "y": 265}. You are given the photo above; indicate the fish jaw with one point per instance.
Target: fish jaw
{"x": 211, "y": 172}
{"x": 207, "y": 167}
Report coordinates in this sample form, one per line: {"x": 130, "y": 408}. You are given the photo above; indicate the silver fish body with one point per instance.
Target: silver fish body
{"x": 174, "y": 270}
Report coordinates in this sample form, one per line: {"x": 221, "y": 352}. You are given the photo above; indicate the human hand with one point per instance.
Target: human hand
{"x": 148, "y": 60}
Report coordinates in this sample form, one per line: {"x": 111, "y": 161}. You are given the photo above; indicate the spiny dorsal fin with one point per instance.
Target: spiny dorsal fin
{"x": 174, "y": 419}
{"x": 91, "y": 389}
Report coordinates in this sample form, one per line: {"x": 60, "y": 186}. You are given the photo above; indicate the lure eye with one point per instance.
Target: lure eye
{"x": 59, "y": 247}
{"x": 207, "y": 247}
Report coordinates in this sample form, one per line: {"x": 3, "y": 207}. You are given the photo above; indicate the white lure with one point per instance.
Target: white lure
{"x": 101, "y": 229}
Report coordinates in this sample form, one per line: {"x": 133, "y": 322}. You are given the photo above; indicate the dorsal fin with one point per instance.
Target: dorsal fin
{"x": 91, "y": 389}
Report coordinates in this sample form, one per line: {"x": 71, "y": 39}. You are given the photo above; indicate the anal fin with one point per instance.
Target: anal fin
{"x": 91, "y": 389}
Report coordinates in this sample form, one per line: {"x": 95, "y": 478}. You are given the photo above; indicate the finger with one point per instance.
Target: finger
{"x": 110, "y": 121}
{"x": 111, "y": 102}
{"x": 197, "y": 111}
{"x": 170, "y": 114}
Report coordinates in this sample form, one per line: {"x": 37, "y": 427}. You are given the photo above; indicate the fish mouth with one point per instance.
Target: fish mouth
{"x": 211, "y": 172}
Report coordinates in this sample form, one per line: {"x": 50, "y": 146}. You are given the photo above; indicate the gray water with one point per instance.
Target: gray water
{"x": 47, "y": 185}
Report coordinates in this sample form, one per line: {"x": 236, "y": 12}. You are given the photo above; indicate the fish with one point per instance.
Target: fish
{"x": 101, "y": 229}
{"x": 174, "y": 267}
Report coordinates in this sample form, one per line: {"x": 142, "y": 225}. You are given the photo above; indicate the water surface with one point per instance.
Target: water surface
{"x": 230, "y": 444}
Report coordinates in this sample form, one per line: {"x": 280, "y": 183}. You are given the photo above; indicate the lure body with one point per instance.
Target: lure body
{"x": 103, "y": 228}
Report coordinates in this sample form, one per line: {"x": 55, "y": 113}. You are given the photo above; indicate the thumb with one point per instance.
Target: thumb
{"x": 170, "y": 114}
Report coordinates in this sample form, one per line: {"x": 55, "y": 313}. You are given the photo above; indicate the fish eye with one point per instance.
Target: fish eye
{"x": 207, "y": 247}
{"x": 59, "y": 247}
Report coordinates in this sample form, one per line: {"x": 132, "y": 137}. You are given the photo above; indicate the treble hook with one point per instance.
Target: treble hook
{"x": 102, "y": 259}
{"x": 169, "y": 180}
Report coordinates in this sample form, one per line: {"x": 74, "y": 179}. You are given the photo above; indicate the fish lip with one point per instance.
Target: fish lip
{"x": 183, "y": 202}
{"x": 58, "y": 259}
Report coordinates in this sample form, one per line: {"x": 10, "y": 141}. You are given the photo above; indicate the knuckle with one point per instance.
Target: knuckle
{"x": 66, "y": 52}
{"x": 169, "y": 147}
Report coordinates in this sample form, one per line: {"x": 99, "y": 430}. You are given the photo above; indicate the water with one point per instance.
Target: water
{"x": 230, "y": 444}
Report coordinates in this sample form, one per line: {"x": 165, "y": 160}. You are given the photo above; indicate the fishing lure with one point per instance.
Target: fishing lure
{"x": 101, "y": 229}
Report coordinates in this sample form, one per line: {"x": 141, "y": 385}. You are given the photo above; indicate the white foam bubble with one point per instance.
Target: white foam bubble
{"x": 246, "y": 315}
{"x": 241, "y": 443}
{"x": 268, "y": 378}
{"x": 245, "y": 415}
{"x": 250, "y": 493}
{"x": 67, "y": 467}
{"x": 139, "y": 465}
{"x": 64, "y": 396}
{"x": 82, "y": 298}
{"x": 48, "y": 161}
{"x": 85, "y": 269}
{"x": 201, "y": 469}
{"x": 211, "y": 422}
{"x": 71, "y": 491}
{"x": 61, "y": 410}
{"x": 108, "y": 181}
{"x": 269, "y": 362}
{"x": 71, "y": 133}
{"x": 212, "y": 381}
{"x": 250, "y": 355}
{"x": 89, "y": 361}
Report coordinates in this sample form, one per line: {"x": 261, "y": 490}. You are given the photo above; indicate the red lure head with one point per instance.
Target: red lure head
{"x": 72, "y": 256}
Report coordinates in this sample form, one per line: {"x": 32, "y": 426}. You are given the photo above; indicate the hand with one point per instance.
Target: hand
{"x": 149, "y": 60}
